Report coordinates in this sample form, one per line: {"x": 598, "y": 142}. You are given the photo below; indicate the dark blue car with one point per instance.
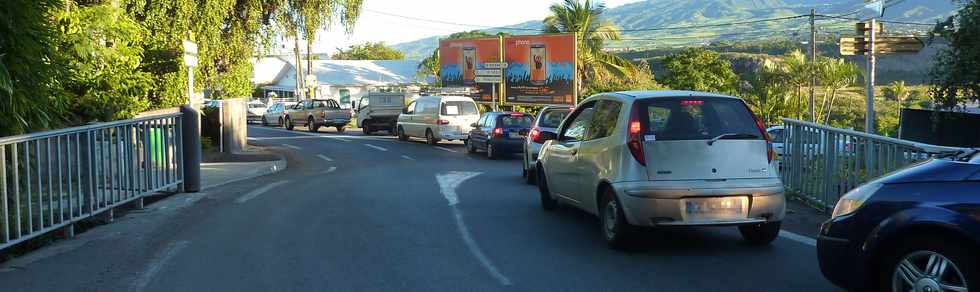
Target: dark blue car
{"x": 917, "y": 229}
{"x": 499, "y": 133}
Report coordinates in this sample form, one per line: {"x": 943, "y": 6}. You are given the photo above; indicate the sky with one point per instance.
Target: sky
{"x": 375, "y": 25}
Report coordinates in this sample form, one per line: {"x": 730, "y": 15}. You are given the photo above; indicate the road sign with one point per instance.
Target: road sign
{"x": 495, "y": 65}
{"x": 488, "y": 72}
{"x": 488, "y": 79}
{"x": 850, "y": 46}
{"x": 190, "y": 54}
{"x": 861, "y": 28}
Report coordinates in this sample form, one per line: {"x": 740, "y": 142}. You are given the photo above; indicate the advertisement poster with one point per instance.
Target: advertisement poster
{"x": 459, "y": 60}
{"x": 540, "y": 69}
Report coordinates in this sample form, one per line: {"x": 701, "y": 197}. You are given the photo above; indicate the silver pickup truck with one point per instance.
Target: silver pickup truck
{"x": 378, "y": 111}
{"x": 316, "y": 113}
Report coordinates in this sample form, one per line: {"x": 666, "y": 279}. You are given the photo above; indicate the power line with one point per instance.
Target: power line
{"x": 717, "y": 24}
{"x": 452, "y": 23}
{"x": 880, "y": 20}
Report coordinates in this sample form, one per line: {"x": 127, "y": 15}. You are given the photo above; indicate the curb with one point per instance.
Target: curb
{"x": 277, "y": 166}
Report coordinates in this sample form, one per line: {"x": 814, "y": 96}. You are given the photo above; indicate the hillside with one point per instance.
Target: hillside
{"x": 672, "y": 13}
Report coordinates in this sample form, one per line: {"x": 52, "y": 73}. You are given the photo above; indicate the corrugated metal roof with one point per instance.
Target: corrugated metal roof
{"x": 345, "y": 72}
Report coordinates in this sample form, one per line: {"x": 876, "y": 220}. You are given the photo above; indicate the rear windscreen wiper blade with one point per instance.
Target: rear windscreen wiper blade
{"x": 732, "y": 136}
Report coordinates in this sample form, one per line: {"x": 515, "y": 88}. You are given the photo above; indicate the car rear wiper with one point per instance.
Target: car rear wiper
{"x": 732, "y": 136}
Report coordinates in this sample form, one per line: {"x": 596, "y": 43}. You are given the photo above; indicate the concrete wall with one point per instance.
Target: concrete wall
{"x": 234, "y": 125}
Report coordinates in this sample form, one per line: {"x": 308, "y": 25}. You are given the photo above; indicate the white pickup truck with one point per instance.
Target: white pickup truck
{"x": 316, "y": 113}
{"x": 378, "y": 111}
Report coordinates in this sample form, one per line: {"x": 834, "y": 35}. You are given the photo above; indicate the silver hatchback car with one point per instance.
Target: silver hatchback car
{"x": 664, "y": 158}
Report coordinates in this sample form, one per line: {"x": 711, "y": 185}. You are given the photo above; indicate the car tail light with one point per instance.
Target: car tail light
{"x": 442, "y": 122}
{"x": 497, "y": 132}
{"x": 635, "y": 140}
{"x": 535, "y": 136}
{"x": 770, "y": 153}
{"x": 517, "y": 114}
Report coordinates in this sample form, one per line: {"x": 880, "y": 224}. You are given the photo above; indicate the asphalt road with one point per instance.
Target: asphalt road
{"x": 355, "y": 213}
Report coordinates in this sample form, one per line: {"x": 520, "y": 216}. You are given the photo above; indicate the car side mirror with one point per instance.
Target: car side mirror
{"x": 474, "y": 125}
{"x": 547, "y": 135}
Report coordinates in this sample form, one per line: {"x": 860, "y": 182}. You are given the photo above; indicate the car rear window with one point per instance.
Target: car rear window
{"x": 459, "y": 108}
{"x": 552, "y": 118}
{"x": 697, "y": 118}
{"x": 512, "y": 121}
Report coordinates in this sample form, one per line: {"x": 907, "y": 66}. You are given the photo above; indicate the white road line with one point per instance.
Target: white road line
{"x": 798, "y": 238}
{"x": 447, "y": 185}
{"x": 376, "y": 147}
{"x": 290, "y": 146}
{"x": 255, "y": 193}
{"x": 445, "y": 149}
{"x": 329, "y": 170}
{"x": 406, "y": 157}
{"x": 338, "y": 138}
{"x": 157, "y": 264}
{"x": 324, "y": 157}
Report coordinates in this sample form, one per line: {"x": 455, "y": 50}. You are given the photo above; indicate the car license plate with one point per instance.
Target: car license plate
{"x": 515, "y": 135}
{"x": 715, "y": 209}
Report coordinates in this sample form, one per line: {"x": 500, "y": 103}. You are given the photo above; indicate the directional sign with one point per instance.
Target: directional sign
{"x": 850, "y": 46}
{"x": 862, "y": 28}
{"x": 495, "y": 65}
{"x": 488, "y": 79}
{"x": 488, "y": 72}
{"x": 190, "y": 53}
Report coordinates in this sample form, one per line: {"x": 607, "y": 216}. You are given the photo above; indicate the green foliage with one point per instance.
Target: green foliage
{"x": 701, "y": 70}
{"x": 955, "y": 74}
{"x": 767, "y": 93}
{"x": 368, "y": 51}
{"x": 834, "y": 75}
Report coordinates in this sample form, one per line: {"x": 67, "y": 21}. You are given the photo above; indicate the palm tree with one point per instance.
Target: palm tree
{"x": 835, "y": 74}
{"x": 584, "y": 19}
{"x": 799, "y": 72}
{"x": 900, "y": 92}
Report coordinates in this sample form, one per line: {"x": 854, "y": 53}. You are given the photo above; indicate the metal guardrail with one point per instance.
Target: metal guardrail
{"x": 49, "y": 180}
{"x": 822, "y": 163}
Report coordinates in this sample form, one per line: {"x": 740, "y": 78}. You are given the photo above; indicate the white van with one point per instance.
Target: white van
{"x": 438, "y": 118}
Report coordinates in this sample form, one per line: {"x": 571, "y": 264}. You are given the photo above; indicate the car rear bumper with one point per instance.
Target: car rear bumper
{"x": 652, "y": 203}
{"x": 334, "y": 122}
{"x": 507, "y": 146}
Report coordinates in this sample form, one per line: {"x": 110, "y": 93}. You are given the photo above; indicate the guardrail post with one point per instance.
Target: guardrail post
{"x": 191, "y": 138}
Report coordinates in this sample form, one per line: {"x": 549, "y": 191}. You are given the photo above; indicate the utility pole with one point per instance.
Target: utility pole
{"x": 299, "y": 67}
{"x": 813, "y": 60}
{"x": 869, "y": 117}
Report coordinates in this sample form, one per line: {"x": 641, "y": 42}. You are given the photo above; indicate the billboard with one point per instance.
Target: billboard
{"x": 459, "y": 60}
{"x": 540, "y": 69}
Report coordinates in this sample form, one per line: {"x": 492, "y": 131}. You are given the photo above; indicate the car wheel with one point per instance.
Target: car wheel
{"x": 288, "y": 124}
{"x": 469, "y": 146}
{"x": 400, "y": 132}
{"x": 760, "y": 234}
{"x": 340, "y": 129}
{"x": 548, "y": 203}
{"x": 312, "y": 126}
{"x": 490, "y": 152}
{"x": 930, "y": 263}
{"x": 617, "y": 232}
{"x": 265, "y": 122}
{"x": 366, "y": 129}
{"x": 430, "y": 138}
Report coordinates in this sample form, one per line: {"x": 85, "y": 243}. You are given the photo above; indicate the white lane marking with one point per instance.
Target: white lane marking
{"x": 798, "y": 238}
{"x": 290, "y": 146}
{"x": 157, "y": 264}
{"x": 445, "y": 149}
{"x": 406, "y": 157}
{"x": 447, "y": 185}
{"x": 259, "y": 191}
{"x": 345, "y": 138}
{"x": 376, "y": 147}
{"x": 329, "y": 170}
{"x": 338, "y": 138}
{"x": 324, "y": 157}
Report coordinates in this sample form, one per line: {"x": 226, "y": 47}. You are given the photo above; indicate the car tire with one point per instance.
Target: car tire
{"x": 288, "y": 124}
{"x": 400, "y": 132}
{"x": 760, "y": 234}
{"x": 529, "y": 173}
{"x": 430, "y": 138}
{"x": 265, "y": 122}
{"x": 312, "y": 126}
{"x": 340, "y": 129}
{"x": 366, "y": 129}
{"x": 469, "y": 146}
{"x": 912, "y": 249}
{"x": 548, "y": 203}
{"x": 617, "y": 232}
{"x": 491, "y": 154}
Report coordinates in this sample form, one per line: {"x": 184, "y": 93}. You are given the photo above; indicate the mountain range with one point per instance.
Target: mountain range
{"x": 637, "y": 19}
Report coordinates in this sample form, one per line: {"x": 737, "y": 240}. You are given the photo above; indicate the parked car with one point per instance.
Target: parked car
{"x": 276, "y": 113}
{"x": 316, "y": 113}
{"x": 254, "y": 111}
{"x": 499, "y": 133}
{"x": 378, "y": 111}
{"x": 664, "y": 158}
{"x": 917, "y": 229}
{"x": 547, "y": 121}
{"x": 438, "y": 118}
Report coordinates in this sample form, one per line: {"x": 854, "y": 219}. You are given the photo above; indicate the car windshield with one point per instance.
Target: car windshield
{"x": 694, "y": 118}
{"x": 514, "y": 121}
{"x": 552, "y": 118}
{"x": 459, "y": 108}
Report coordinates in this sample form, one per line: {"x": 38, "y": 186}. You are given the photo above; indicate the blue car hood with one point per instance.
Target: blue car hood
{"x": 935, "y": 170}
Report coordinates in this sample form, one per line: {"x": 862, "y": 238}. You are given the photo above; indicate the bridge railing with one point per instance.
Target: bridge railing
{"x": 822, "y": 163}
{"x": 49, "y": 180}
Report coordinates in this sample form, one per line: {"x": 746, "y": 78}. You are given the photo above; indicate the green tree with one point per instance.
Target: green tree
{"x": 584, "y": 18}
{"x": 767, "y": 93}
{"x": 700, "y": 69}
{"x": 834, "y": 74}
{"x": 955, "y": 74}
{"x": 800, "y": 72}
{"x": 369, "y": 51}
